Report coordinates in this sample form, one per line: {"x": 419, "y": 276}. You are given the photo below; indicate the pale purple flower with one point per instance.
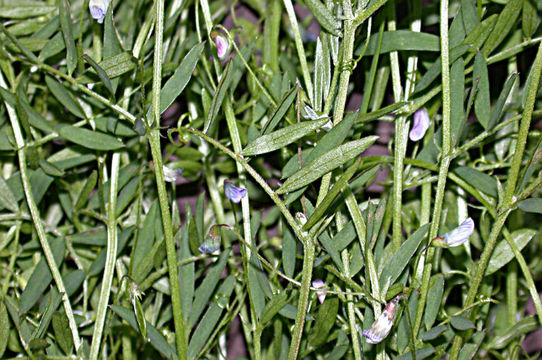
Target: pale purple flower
{"x": 318, "y": 284}
{"x": 171, "y": 175}
{"x": 457, "y": 236}
{"x": 421, "y": 124}
{"x": 98, "y": 9}
{"x": 212, "y": 243}
{"x": 381, "y": 328}
{"x": 222, "y": 44}
{"x": 233, "y": 192}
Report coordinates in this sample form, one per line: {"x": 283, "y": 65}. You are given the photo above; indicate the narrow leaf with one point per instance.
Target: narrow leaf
{"x": 481, "y": 101}
{"x": 66, "y": 25}
{"x": 324, "y": 16}
{"x": 89, "y": 139}
{"x": 503, "y": 254}
{"x": 101, "y": 73}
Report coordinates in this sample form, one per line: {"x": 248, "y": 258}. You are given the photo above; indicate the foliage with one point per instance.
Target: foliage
{"x": 175, "y": 176}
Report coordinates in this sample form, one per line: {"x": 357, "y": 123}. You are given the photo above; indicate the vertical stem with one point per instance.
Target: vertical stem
{"x": 47, "y": 252}
{"x": 154, "y": 140}
{"x": 508, "y": 199}
{"x": 110, "y": 258}
{"x": 444, "y": 161}
{"x": 512, "y": 293}
{"x": 308, "y": 261}
{"x": 300, "y": 50}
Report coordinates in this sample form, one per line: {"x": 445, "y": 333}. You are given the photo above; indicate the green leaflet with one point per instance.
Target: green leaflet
{"x": 89, "y": 139}
{"x": 282, "y": 137}
{"x": 326, "y": 163}
{"x": 324, "y": 16}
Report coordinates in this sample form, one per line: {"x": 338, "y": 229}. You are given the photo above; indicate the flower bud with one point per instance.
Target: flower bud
{"x": 98, "y": 9}
{"x": 421, "y": 124}
{"x": 212, "y": 243}
{"x": 222, "y": 44}
{"x": 171, "y": 175}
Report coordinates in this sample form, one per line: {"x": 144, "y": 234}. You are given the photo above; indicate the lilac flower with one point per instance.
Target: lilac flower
{"x": 98, "y": 9}
{"x": 383, "y": 324}
{"x": 457, "y": 236}
{"x": 318, "y": 284}
{"x": 421, "y": 124}
{"x": 222, "y": 44}
{"x": 233, "y": 192}
{"x": 171, "y": 175}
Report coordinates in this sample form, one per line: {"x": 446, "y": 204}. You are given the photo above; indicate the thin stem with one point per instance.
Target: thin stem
{"x": 154, "y": 140}
{"x": 19, "y": 141}
{"x": 509, "y": 193}
{"x": 308, "y": 262}
{"x": 444, "y": 162}
{"x": 110, "y": 258}
{"x": 300, "y": 50}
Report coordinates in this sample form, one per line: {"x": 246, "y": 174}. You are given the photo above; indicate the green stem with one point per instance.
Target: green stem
{"x": 110, "y": 258}
{"x": 308, "y": 262}
{"x": 300, "y": 50}
{"x": 19, "y": 140}
{"x": 444, "y": 162}
{"x": 154, "y": 140}
{"x": 508, "y": 199}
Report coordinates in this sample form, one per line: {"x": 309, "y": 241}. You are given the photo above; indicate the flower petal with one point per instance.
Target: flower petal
{"x": 233, "y": 192}
{"x": 460, "y": 234}
{"x": 98, "y": 9}
{"x": 171, "y": 175}
{"x": 421, "y": 124}
{"x": 222, "y": 44}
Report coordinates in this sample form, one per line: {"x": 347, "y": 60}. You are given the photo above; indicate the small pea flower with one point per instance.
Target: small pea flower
{"x": 383, "y": 324}
{"x": 98, "y": 9}
{"x": 421, "y": 124}
{"x": 318, "y": 284}
{"x": 222, "y": 44}
{"x": 171, "y": 175}
{"x": 212, "y": 243}
{"x": 233, "y": 192}
{"x": 457, "y": 236}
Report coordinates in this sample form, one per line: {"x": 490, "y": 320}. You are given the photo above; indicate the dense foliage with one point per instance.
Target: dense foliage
{"x": 274, "y": 179}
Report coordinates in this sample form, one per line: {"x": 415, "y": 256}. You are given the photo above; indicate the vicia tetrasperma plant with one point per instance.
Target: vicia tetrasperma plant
{"x": 278, "y": 179}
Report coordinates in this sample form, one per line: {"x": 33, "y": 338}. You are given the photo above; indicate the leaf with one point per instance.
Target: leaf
{"x": 140, "y": 317}
{"x": 211, "y": 318}
{"x": 533, "y": 205}
{"x": 419, "y": 355}
{"x": 277, "y": 302}
{"x": 434, "y": 300}
{"x": 280, "y": 138}
{"x": 101, "y": 73}
{"x": 338, "y": 186}
{"x": 41, "y": 278}
{"x": 461, "y": 323}
{"x": 457, "y": 99}
{"x": 479, "y": 34}
{"x": 89, "y": 139}
{"x": 497, "y": 112}
{"x": 23, "y": 12}
{"x": 523, "y": 326}
{"x": 505, "y": 23}
{"x": 529, "y": 20}
{"x": 398, "y": 262}
{"x": 435, "y": 69}
{"x": 66, "y": 26}
{"x": 64, "y": 97}
{"x": 204, "y": 291}
{"x": 7, "y": 199}
{"x": 401, "y": 40}
{"x": 63, "y": 335}
{"x": 481, "y": 101}
{"x": 177, "y": 82}
{"x": 434, "y": 332}
{"x": 478, "y": 180}
{"x": 4, "y": 328}
{"x": 324, "y": 16}
{"x": 50, "y": 169}
{"x": 289, "y": 250}
{"x": 503, "y": 253}
{"x": 326, "y": 163}
{"x": 157, "y": 340}
{"x": 279, "y": 111}
{"x": 325, "y": 320}
{"x": 218, "y": 97}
